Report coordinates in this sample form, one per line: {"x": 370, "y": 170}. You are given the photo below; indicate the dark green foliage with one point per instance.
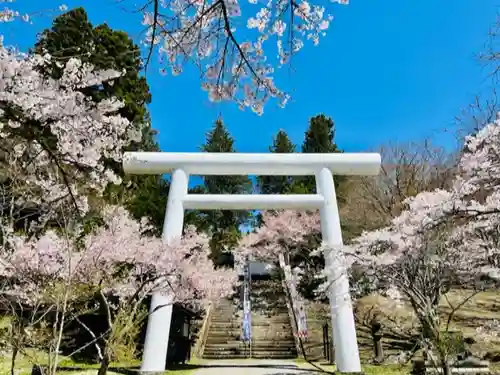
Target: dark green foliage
{"x": 319, "y": 138}
{"x": 278, "y": 184}
{"x": 72, "y": 35}
{"x": 224, "y": 226}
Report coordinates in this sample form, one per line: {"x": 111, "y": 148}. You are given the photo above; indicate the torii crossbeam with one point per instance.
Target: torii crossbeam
{"x": 322, "y": 166}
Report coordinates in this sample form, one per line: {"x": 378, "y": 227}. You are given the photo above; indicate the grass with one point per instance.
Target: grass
{"x": 367, "y": 369}
{"x": 375, "y": 370}
{"x": 482, "y": 307}
{"x": 67, "y": 366}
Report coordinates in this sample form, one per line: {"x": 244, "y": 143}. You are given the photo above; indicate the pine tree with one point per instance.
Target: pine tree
{"x": 278, "y": 184}
{"x": 319, "y": 138}
{"x": 224, "y": 226}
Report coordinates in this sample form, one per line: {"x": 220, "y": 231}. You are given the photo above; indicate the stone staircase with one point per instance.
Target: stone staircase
{"x": 224, "y": 333}
{"x": 272, "y": 335}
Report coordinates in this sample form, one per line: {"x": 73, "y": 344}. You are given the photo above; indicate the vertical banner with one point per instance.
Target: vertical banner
{"x": 247, "y": 324}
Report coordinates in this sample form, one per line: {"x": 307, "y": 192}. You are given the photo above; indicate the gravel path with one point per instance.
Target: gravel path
{"x": 250, "y": 367}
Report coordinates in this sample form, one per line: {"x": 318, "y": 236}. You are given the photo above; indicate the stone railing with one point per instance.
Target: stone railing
{"x": 293, "y": 318}
{"x": 203, "y": 333}
{"x": 290, "y": 305}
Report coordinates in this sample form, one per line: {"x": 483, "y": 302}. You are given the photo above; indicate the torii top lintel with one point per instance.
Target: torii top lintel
{"x": 214, "y": 163}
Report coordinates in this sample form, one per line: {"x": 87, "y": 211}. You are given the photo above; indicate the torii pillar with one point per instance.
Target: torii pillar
{"x": 322, "y": 166}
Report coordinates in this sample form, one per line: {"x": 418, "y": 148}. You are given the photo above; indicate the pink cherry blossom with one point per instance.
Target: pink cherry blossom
{"x": 233, "y": 61}
{"x": 455, "y": 230}
{"x": 83, "y": 134}
{"x": 281, "y": 231}
{"x": 181, "y": 270}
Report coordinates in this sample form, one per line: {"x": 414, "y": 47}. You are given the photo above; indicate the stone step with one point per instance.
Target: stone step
{"x": 224, "y": 313}
{"x": 276, "y": 326}
{"x": 272, "y": 330}
{"x": 260, "y": 338}
{"x": 228, "y": 315}
{"x": 226, "y": 325}
{"x": 274, "y": 355}
{"x": 270, "y": 314}
{"x": 223, "y": 340}
{"x": 224, "y": 356}
{"x": 271, "y": 310}
{"x": 272, "y": 319}
{"x": 276, "y": 309}
{"x": 225, "y": 348}
{"x": 217, "y": 331}
{"x": 228, "y": 343}
{"x": 256, "y": 355}
{"x": 218, "y": 336}
{"x": 272, "y": 337}
{"x": 266, "y": 344}
{"x": 273, "y": 346}
{"x": 223, "y": 320}
{"x": 258, "y": 317}
{"x": 219, "y": 326}
{"x": 220, "y": 331}
{"x": 262, "y": 349}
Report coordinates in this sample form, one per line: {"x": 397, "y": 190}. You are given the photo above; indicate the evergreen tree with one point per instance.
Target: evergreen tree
{"x": 73, "y": 35}
{"x": 319, "y": 138}
{"x": 224, "y": 226}
{"x": 278, "y": 184}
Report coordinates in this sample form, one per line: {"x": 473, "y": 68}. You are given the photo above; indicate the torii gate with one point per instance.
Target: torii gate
{"x": 181, "y": 165}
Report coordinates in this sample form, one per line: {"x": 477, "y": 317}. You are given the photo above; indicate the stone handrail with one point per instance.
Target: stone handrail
{"x": 203, "y": 333}
{"x": 289, "y": 305}
{"x": 293, "y": 319}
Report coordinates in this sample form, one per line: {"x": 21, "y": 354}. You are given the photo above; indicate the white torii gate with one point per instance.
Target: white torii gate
{"x": 181, "y": 165}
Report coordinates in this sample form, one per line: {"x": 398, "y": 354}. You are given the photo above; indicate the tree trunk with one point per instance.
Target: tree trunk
{"x": 446, "y": 369}
{"x": 105, "y": 310}
{"x": 103, "y": 370}
{"x": 379, "y": 349}
{"x": 13, "y": 360}
{"x": 376, "y": 328}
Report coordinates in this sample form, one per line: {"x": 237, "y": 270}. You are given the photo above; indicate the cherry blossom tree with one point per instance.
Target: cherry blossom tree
{"x": 281, "y": 232}
{"x": 234, "y": 62}
{"x": 56, "y": 143}
{"x": 10, "y": 14}
{"x": 283, "y": 236}
{"x": 115, "y": 265}
{"x": 444, "y": 239}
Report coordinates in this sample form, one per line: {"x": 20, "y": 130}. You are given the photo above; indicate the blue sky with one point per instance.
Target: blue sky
{"x": 387, "y": 71}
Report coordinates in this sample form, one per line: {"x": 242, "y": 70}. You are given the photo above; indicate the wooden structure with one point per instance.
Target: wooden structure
{"x": 180, "y": 340}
